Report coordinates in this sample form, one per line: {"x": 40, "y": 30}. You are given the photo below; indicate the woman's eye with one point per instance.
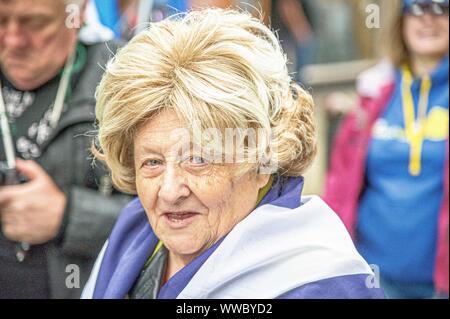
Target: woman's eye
{"x": 152, "y": 163}
{"x": 198, "y": 160}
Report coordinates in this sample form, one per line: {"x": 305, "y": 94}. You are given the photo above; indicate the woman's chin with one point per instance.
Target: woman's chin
{"x": 183, "y": 244}
{"x": 432, "y": 49}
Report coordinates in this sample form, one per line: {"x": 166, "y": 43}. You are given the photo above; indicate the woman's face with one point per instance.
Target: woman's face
{"x": 427, "y": 35}
{"x": 190, "y": 203}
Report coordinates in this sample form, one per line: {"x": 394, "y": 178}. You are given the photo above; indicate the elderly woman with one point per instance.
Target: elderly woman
{"x": 218, "y": 214}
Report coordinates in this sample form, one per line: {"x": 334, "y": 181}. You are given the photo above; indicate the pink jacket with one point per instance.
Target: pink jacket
{"x": 345, "y": 178}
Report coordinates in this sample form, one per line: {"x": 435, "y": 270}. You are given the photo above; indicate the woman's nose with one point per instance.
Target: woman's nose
{"x": 174, "y": 187}
{"x": 428, "y": 18}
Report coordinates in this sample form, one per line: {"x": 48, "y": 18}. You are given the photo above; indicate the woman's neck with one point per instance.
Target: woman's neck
{"x": 424, "y": 65}
{"x": 174, "y": 264}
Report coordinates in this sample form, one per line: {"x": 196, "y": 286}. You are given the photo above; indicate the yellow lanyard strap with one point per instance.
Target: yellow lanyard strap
{"x": 415, "y": 129}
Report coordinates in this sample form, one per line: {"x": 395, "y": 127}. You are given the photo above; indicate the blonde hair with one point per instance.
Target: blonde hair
{"x": 395, "y": 45}
{"x": 216, "y": 69}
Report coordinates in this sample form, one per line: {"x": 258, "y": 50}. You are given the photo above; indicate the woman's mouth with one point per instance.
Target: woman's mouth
{"x": 179, "y": 220}
{"x": 429, "y": 33}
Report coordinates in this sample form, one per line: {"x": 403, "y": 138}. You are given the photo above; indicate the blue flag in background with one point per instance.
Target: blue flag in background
{"x": 108, "y": 13}
{"x": 179, "y": 5}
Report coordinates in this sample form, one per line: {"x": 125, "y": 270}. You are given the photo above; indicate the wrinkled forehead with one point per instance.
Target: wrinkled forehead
{"x": 25, "y": 8}
{"x": 162, "y": 132}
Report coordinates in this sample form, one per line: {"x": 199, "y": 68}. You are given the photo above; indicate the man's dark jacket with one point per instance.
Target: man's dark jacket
{"x": 92, "y": 209}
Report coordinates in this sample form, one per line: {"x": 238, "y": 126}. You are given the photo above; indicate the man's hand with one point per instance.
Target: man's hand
{"x": 32, "y": 212}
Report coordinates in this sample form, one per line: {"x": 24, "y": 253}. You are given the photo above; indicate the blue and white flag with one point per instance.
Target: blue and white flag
{"x": 288, "y": 247}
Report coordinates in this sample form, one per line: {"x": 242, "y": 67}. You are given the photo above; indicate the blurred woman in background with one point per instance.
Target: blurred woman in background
{"x": 388, "y": 178}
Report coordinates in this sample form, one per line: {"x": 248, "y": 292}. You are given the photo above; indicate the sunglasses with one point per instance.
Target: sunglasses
{"x": 419, "y": 9}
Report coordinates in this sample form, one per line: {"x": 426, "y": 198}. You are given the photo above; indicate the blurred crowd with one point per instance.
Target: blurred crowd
{"x": 386, "y": 174}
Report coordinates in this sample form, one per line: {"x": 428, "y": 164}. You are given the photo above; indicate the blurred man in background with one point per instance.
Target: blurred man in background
{"x": 54, "y": 224}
